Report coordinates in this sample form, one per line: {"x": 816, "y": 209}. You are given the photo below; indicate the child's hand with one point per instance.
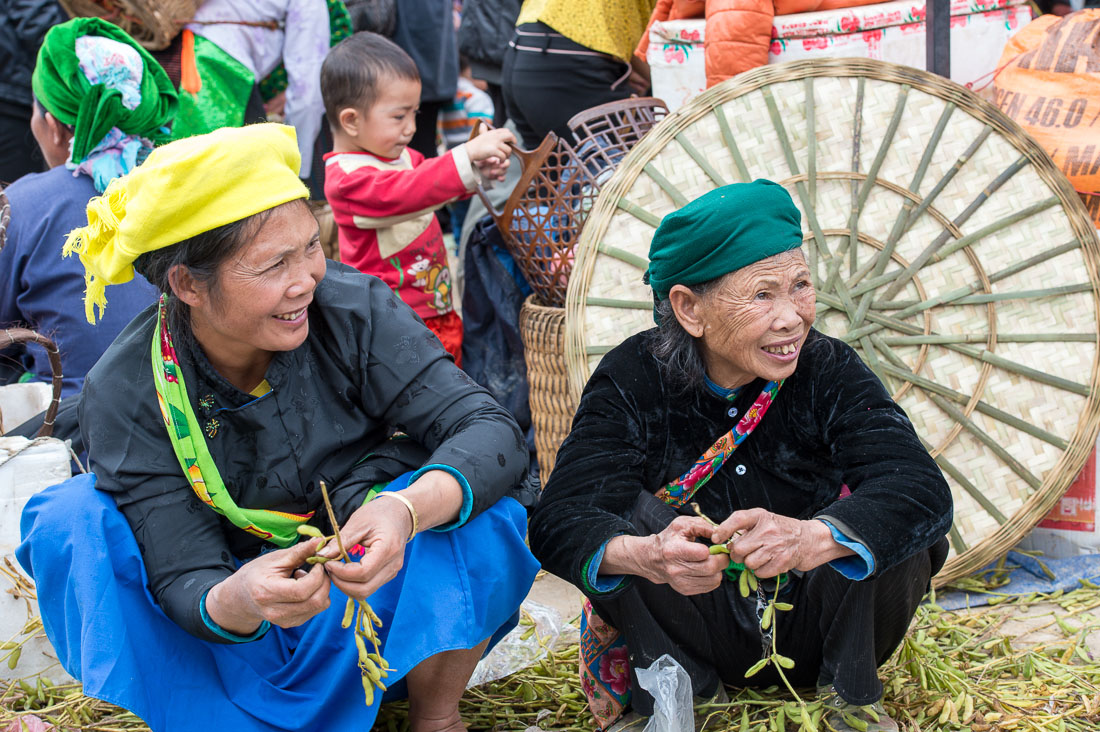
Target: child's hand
{"x": 493, "y": 168}
{"x": 490, "y": 144}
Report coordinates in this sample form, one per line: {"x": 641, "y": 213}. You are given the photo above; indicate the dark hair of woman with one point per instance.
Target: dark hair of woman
{"x": 676, "y": 350}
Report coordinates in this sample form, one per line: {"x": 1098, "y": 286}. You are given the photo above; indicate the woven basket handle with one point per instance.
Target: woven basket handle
{"x": 530, "y": 162}
{"x": 13, "y": 336}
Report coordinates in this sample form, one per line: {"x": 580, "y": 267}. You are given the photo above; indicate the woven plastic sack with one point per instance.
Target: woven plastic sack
{"x": 1049, "y": 82}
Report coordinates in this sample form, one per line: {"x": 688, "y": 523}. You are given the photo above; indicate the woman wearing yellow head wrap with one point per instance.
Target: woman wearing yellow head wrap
{"x": 210, "y": 424}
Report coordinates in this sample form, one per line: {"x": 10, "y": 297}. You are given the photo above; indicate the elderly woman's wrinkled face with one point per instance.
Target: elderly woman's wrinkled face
{"x": 754, "y": 323}
{"x": 263, "y": 291}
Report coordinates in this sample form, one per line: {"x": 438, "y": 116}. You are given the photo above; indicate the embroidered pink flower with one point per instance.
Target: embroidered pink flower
{"x": 753, "y": 416}
{"x": 848, "y": 24}
{"x": 776, "y": 48}
{"x": 690, "y": 35}
{"x": 695, "y": 474}
{"x": 674, "y": 55}
{"x": 587, "y": 686}
{"x": 615, "y": 670}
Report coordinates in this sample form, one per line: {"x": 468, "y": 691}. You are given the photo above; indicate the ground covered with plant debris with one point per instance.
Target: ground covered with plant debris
{"x": 1016, "y": 663}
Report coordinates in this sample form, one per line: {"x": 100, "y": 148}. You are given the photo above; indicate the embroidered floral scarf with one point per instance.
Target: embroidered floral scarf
{"x": 198, "y": 466}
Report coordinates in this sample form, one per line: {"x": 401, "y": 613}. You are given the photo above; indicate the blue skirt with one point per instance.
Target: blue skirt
{"x": 456, "y": 589}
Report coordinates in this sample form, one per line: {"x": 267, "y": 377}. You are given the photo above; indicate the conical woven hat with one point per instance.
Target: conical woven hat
{"x": 945, "y": 247}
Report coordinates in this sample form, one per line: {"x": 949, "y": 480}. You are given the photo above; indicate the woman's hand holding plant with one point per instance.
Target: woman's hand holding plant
{"x": 271, "y": 587}
{"x": 672, "y": 557}
{"x": 770, "y": 544}
{"x": 382, "y": 528}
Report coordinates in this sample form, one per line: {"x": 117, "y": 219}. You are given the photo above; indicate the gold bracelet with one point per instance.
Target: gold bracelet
{"x": 408, "y": 505}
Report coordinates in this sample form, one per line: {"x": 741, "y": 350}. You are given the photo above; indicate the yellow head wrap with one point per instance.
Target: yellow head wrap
{"x": 181, "y": 190}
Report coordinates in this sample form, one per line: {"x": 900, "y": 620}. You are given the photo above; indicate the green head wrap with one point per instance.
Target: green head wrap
{"x": 93, "y": 109}
{"x": 722, "y": 231}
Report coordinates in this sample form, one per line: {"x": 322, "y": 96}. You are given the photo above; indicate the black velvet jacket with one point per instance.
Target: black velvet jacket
{"x": 369, "y": 365}
{"x": 832, "y": 423}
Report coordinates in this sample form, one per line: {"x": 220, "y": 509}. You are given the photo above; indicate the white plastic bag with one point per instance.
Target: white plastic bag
{"x": 539, "y": 629}
{"x": 668, "y": 683}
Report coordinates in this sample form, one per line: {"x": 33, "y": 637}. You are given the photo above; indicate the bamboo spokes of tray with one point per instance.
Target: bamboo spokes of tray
{"x": 945, "y": 247}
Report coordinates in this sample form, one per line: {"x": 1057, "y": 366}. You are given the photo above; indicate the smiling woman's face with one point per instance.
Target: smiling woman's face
{"x": 754, "y": 323}
{"x": 258, "y": 305}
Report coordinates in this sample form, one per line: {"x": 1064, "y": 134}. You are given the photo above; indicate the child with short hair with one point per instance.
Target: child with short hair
{"x": 383, "y": 193}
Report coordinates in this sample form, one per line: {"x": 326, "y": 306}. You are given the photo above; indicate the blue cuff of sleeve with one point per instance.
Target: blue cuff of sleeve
{"x": 592, "y": 577}
{"x": 219, "y": 630}
{"x": 858, "y": 567}
{"x": 467, "y": 494}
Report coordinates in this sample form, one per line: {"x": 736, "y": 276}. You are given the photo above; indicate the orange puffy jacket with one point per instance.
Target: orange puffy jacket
{"x": 738, "y": 32}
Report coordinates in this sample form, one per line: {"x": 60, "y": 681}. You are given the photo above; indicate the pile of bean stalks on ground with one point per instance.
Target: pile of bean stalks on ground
{"x": 954, "y": 671}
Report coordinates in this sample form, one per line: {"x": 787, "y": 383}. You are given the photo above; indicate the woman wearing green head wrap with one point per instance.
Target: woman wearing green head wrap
{"x": 101, "y": 103}
{"x": 736, "y": 405}
{"x": 101, "y": 100}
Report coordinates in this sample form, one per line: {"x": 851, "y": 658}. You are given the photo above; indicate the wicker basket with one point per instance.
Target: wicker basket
{"x": 152, "y": 23}
{"x": 541, "y": 221}
{"x": 542, "y": 329}
{"x": 945, "y": 247}
{"x": 16, "y": 336}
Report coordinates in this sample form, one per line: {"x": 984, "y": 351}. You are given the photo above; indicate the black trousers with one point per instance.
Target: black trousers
{"x": 424, "y": 139}
{"x": 839, "y": 631}
{"x": 544, "y": 89}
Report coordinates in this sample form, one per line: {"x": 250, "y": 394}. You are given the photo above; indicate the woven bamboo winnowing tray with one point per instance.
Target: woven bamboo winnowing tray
{"x": 945, "y": 247}
{"x": 152, "y": 23}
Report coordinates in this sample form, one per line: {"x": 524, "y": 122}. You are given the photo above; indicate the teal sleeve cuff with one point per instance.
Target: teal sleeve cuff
{"x": 593, "y": 581}
{"x": 467, "y": 494}
{"x": 858, "y": 567}
{"x": 219, "y": 630}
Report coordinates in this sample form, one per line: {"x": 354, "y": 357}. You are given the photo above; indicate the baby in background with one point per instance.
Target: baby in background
{"x": 384, "y": 194}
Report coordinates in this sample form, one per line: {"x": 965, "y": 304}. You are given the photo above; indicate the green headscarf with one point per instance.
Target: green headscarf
{"x": 61, "y": 87}
{"x": 722, "y": 231}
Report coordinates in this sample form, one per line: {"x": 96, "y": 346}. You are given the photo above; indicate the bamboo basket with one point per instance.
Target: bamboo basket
{"x": 152, "y": 23}
{"x": 542, "y": 329}
{"x": 542, "y": 219}
{"x": 16, "y": 336}
{"x": 945, "y": 247}
{"x": 540, "y": 223}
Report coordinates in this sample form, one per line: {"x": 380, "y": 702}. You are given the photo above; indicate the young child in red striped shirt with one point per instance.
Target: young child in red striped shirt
{"x": 383, "y": 194}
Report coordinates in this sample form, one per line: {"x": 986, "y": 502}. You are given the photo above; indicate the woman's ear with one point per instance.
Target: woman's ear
{"x": 350, "y": 121}
{"x": 687, "y": 307}
{"x": 186, "y": 287}
{"x": 59, "y": 133}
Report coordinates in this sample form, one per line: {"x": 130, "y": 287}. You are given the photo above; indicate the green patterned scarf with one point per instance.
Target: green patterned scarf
{"x": 93, "y": 109}
{"x": 278, "y": 527}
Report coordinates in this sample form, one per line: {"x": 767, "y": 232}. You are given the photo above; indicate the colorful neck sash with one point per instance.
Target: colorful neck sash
{"x": 198, "y": 466}
{"x": 680, "y": 491}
